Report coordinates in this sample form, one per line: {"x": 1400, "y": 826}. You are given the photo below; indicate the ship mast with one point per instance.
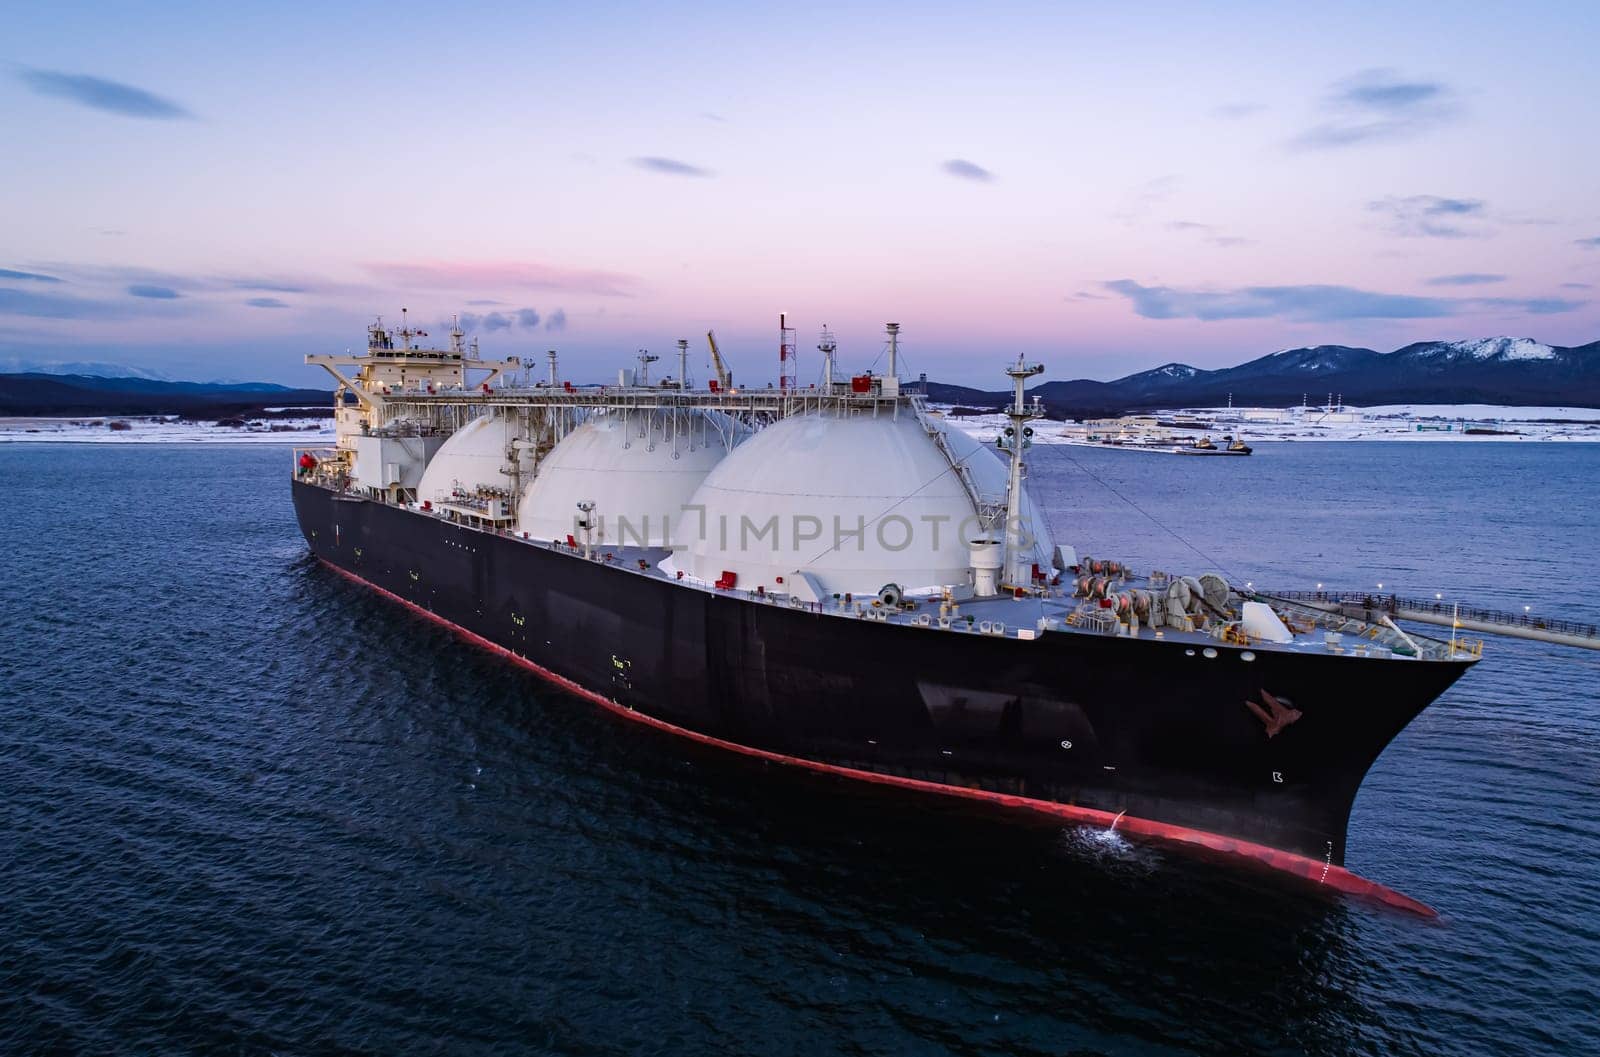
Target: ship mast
{"x": 1017, "y": 572}
{"x": 645, "y": 360}
{"x": 828, "y": 347}
{"x": 788, "y": 369}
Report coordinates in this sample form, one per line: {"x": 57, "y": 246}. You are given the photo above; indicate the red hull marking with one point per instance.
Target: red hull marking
{"x": 1313, "y": 870}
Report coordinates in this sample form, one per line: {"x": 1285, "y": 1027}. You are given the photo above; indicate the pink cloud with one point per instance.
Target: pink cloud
{"x": 504, "y": 275}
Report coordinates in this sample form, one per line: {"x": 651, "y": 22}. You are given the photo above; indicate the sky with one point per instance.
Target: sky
{"x": 212, "y": 192}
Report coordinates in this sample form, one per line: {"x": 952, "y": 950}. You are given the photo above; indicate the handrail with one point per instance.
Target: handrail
{"x": 1394, "y": 604}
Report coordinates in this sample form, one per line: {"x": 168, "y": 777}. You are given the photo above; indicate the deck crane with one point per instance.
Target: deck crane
{"x": 724, "y": 376}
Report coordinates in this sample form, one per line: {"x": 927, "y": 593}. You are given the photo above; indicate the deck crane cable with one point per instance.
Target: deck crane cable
{"x": 1154, "y": 520}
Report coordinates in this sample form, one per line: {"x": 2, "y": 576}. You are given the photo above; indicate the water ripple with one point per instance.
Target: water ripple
{"x": 250, "y": 809}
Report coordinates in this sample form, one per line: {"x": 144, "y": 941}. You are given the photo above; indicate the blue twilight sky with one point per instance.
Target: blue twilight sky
{"x": 211, "y": 191}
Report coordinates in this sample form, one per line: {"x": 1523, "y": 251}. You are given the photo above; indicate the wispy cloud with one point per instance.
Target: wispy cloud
{"x": 55, "y": 306}
{"x": 557, "y": 321}
{"x": 272, "y": 286}
{"x": 485, "y": 301}
{"x": 97, "y": 93}
{"x": 155, "y": 293}
{"x": 503, "y": 276}
{"x": 490, "y": 322}
{"x": 1139, "y": 202}
{"x": 671, "y": 167}
{"x": 1588, "y": 244}
{"x": 1210, "y": 232}
{"x": 32, "y": 277}
{"x": 126, "y": 277}
{"x": 1430, "y": 216}
{"x": 266, "y": 302}
{"x": 1311, "y": 304}
{"x": 1536, "y": 306}
{"x": 1234, "y": 111}
{"x": 1577, "y": 286}
{"x": 1466, "y": 279}
{"x": 962, "y": 169}
{"x": 122, "y": 275}
{"x": 1376, "y": 106}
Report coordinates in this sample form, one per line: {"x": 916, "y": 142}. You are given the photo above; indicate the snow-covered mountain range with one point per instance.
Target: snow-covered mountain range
{"x": 1503, "y": 370}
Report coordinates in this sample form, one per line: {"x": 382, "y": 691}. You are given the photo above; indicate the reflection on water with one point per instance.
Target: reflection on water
{"x": 257, "y": 810}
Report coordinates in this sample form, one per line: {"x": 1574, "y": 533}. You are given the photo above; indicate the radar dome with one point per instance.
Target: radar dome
{"x": 639, "y": 468}
{"x": 854, "y": 501}
{"x": 473, "y": 457}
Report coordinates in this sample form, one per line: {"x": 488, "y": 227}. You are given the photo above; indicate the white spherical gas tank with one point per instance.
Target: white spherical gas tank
{"x": 639, "y": 468}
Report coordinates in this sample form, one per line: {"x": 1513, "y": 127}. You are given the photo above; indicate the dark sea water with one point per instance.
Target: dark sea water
{"x": 247, "y": 807}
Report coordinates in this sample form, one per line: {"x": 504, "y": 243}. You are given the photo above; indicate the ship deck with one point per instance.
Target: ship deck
{"x": 1031, "y": 615}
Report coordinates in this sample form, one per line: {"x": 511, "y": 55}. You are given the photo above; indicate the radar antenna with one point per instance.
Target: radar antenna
{"x": 645, "y": 360}
{"x": 828, "y": 347}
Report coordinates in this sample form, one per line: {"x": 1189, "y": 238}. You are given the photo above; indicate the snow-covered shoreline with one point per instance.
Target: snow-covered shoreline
{"x": 165, "y": 429}
{"x": 1398, "y": 423}
{"x": 1401, "y": 423}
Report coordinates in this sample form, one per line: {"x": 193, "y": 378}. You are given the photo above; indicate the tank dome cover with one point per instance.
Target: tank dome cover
{"x": 855, "y": 501}
{"x": 639, "y": 468}
{"x": 473, "y": 457}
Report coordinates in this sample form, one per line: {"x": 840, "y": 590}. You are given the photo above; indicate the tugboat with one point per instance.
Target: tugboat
{"x": 1204, "y": 446}
{"x": 831, "y": 578}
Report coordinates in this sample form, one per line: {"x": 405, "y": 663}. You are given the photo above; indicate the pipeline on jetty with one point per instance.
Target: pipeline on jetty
{"x": 1368, "y": 606}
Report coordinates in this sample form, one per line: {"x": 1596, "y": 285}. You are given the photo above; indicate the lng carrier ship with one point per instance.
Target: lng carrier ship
{"x": 832, "y": 577}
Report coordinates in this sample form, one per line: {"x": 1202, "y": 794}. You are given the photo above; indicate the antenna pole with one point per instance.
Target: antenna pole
{"x": 1017, "y": 572}
{"x": 827, "y": 346}
{"x": 683, "y": 364}
{"x": 788, "y": 369}
{"x": 894, "y": 350}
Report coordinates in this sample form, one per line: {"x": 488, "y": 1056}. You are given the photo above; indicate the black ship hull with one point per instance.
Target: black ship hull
{"x": 1260, "y": 756}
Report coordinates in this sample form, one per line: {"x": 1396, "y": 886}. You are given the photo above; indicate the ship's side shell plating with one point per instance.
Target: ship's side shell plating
{"x": 639, "y": 469}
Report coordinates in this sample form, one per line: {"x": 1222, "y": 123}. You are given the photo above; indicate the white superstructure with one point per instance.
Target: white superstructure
{"x": 850, "y": 488}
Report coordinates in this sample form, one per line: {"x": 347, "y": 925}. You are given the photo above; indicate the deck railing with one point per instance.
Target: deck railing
{"x": 1395, "y": 605}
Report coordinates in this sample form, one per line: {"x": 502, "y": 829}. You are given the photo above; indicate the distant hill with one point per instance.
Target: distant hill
{"x": 80, "y": 394}
{"x": 98, "y": 368}
{"x": 1513, "y": 371}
